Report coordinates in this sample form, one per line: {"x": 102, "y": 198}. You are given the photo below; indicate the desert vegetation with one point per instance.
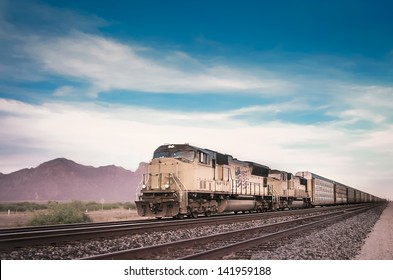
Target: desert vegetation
{"x": 54, "y": 212}
{"x": 22, "y": 207}
{"x": 58, "y": 213}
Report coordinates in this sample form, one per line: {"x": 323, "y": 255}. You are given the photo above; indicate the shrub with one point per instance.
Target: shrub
{"x": 61, "y": 214}
{"x": 93, "y": 206}
{"x": 21, "y": 206}
{"x": 128, "y": 205}
{"x": 110, "y": 206}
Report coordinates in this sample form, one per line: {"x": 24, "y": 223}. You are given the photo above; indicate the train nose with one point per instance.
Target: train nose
{"x": 158, "y": 210}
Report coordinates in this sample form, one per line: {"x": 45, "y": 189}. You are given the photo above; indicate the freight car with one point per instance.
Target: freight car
{"x": 325, "y": 191}
{"x": 184, "y": 180}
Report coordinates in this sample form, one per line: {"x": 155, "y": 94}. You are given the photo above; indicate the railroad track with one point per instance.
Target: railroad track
{"x": 69, "y": 226}
{"x": 218, "y": 245}
{"x": 42, "y": 235}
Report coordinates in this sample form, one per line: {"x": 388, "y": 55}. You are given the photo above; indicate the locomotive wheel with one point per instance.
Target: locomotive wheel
{"x": 208, "y": 213}
{"x": 194, "y": 214}
{"x": 179, "y": 216}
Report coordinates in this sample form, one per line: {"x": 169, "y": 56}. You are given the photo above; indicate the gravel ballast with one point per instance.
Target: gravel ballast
{"x": 85, "y": 248}
{"x": 340, "y": 241}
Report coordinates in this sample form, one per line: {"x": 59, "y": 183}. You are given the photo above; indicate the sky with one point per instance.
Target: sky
{"x": 294, "y": 85}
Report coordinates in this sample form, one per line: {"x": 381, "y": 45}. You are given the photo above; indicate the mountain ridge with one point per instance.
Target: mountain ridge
{"x": 63, "y": 179}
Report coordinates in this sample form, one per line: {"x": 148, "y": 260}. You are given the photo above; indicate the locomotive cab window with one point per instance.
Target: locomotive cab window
{"x": 187, "y": 156}
{"x": 203, "y": 158}
{"x": 183, "y": 155}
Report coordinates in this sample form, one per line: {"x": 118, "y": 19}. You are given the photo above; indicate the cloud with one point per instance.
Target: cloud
{"x": 64, "y": 91}
{"x": 24, "y": 20}
{"x": 68, "y": 44}
{"x": 360, "y": 104}
{"x": 109, "y": 65}
{"x": 378, "y": 141}
{"x": 96, "y": 134}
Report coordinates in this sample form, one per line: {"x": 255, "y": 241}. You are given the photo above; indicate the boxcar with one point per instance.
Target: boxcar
{"x": 340, "y": 192}
{"x": 321, "y": 188}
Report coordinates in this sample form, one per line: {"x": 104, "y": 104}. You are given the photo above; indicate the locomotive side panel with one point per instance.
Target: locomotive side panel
{"x": 240, "y": 177}
{"x": 300, "y": 187}
{"x": 278, "y": 180}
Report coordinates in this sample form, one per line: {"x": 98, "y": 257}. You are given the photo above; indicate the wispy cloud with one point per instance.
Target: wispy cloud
{"x": 24, "y": 20}
{"x": 80, "y": 128}
{"x": 364, "y": 103}
{"x": 109, "y": 65}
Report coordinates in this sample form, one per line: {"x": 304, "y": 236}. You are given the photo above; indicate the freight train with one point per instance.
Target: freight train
{"x": 184, "y": 180}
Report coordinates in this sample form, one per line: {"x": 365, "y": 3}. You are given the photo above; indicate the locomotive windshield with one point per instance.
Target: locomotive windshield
{"x": 187, "y": 156}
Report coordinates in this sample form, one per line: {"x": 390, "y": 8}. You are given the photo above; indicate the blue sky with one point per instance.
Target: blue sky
{"x": 296, "y": 85}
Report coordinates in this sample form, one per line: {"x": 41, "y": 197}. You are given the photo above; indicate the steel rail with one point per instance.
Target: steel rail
{"x": 54, "y": 234}
{"x": 218, "y": 253}
{"x": 164, "y": 251}
{"x": 28, "y": 229}
{"x": 14, "y": 230}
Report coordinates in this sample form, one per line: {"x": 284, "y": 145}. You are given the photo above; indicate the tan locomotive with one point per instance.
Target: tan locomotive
{"x": 184, "y": 180}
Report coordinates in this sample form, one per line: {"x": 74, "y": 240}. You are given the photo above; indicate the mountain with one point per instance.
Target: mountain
{"x": 62, "y": 179}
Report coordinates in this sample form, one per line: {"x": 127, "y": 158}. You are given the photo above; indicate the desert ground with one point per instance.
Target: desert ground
{"x": 22, "y": 219}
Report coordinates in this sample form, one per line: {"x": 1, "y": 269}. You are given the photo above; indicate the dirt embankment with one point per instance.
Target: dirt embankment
{"x": 379, "y": 243}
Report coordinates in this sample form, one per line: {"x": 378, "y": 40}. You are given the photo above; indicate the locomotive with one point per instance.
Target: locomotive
{"x": 184, "y": 180}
